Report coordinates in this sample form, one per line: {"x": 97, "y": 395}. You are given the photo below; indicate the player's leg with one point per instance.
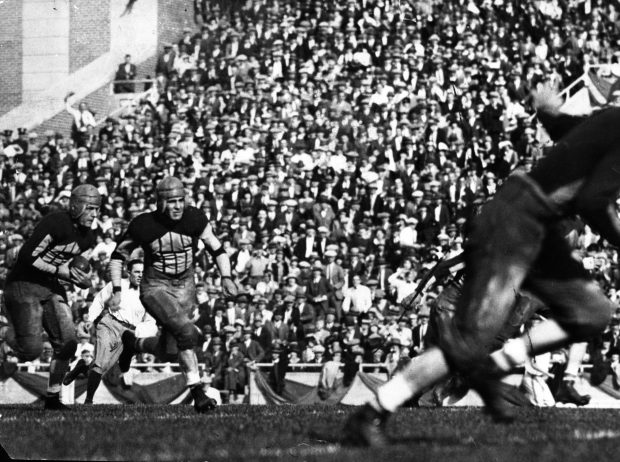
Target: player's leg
{"x": 128, "y": 338}
{"x": 24, "y": 310}
{"x": 579, "y": 308}
{"x": 170, "y": 306}
{"x": 108, "y": 347}
{"x": 567, "y": 393}
{"x": 506, "y": 239}
{"x": 58, "y": 323}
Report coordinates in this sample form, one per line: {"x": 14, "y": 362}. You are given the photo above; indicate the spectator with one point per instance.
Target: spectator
{"x": 357, "y": 299}
{"x": 321, "y": 145}
{"x": 126, "y": 71}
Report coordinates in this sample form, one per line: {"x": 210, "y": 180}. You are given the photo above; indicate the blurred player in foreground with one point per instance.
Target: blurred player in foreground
{"x": 113, "y": 322}
{"x": 169, "y": 238}
{"x": 514, "y": 242}
{"x": 35, "y": 294}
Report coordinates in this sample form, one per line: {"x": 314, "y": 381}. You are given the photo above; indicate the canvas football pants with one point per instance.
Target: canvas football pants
{"x": 170, "y": 302}
{"x": 514, "y": 242}
{"x": 31, "y": 307}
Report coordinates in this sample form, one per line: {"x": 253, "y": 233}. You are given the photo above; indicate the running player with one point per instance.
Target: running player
{"x": 515, "y": 240}
{"x": 169, "y": 237}
{"x": 112, "y": 324}
{"x": 35, "y": 292}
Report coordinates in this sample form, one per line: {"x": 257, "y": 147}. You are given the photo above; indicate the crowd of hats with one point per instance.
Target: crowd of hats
{"x": 367, "y": 120}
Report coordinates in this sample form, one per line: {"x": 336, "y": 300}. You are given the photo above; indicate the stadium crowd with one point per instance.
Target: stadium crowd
{"x": 338, "y": 149}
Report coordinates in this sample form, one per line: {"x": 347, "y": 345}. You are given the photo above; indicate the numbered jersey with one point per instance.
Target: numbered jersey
{"x": 169, "y": 246}
{"x": 54, "y": 241}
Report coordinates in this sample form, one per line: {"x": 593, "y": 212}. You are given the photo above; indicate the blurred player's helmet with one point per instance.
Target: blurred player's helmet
{"x": 81, "y": 196}
{"x": 168, "y": 188}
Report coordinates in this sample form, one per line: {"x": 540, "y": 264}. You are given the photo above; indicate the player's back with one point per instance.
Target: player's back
{"x": 55, "y": 240}
{"x": 562, "y": 172}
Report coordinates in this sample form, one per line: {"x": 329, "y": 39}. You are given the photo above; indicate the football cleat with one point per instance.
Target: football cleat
{"x": 80, "y": 368}
{"x": 500, "y": 399}
{"x": 53, "y": 403}
{"x": 202, "y": 403}
{"x": 366, "y": 427}
{"x": 567, "y": 393}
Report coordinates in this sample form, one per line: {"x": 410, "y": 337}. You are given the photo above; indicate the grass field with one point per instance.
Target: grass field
{"x": 303, "y": 433}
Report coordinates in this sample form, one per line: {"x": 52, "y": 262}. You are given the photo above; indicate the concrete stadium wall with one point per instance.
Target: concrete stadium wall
{"x": 10, "y": 55}
{"x": 77, "y": 49}
{"x": 89, "y": 32}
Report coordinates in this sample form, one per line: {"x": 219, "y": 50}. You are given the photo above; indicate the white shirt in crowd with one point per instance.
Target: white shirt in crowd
{"x": 357, "y": 299}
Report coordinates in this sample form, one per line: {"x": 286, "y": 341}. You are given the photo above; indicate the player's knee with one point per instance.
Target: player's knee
{"x": 29, "y": 350}
{"x": 187, "y": 337}
{"x": 67, "y": 351}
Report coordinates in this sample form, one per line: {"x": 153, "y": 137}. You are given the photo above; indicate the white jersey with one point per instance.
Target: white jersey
{"x": 131, "y": 309}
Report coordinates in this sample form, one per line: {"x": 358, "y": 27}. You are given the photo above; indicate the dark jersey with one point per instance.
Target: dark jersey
{"x": 581, "y": 174}
{"x": 54, "y": 241}
{"x": 169, "y": 246}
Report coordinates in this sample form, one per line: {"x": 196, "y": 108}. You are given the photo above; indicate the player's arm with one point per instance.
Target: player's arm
{"x": 44, "y": 237}
{"x": 557, "y": 123}
{"x": 215, "y": 248}
{"x": 124, "y": 247}
{"x": 596, "y": 202}
{"x": 99, "y": 302}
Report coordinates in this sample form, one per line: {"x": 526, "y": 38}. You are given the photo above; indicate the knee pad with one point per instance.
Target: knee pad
{"x": 67, "y": 351}
{"x": 187, "y": 337}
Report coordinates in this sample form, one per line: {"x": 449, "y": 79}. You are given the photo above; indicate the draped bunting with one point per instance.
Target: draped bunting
{"x": 602, "y": 85}
{"x": 299, "y": 393}
{"x": 171, "y": 389}
{"x": 162, "y": 391}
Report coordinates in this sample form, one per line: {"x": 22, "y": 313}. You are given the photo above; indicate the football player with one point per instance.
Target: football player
{"x": 516, "y": 240}
{"x": 169, "y": 237}
{"x": 35, "y": 292}
{"x": 113, "y": 322}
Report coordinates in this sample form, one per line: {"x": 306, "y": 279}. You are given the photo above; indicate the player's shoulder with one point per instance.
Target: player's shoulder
{"x": 143, "y": 220}
{"x": 59, "y": 220}
{"x": 194, "y": 219}
{"x": 192, "y": 212}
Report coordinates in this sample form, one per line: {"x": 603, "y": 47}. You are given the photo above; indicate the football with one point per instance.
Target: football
{"x": 80, "y": 263}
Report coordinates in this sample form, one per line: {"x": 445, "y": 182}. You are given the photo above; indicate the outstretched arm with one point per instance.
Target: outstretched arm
{"x": 596, "y": 202}
{"x": 548, "y": 104}
{"x": 214, "y": 247}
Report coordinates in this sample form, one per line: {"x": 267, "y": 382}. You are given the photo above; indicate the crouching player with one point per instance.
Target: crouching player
{"x": 169, "y": 237}
{"x": 35, "y": 294}
{"x": 114, "y": 322}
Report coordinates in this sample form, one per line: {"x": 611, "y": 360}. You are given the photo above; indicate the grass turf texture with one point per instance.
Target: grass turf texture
{"x": 300, "y": 433}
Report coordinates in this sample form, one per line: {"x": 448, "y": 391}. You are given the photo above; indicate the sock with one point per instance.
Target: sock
{"x": 124, "y": 361}
{"x": 58, "y": 369}
{"x": 189, "y": 366}
{"x": 94, "y": 379}
{"x": 392, "y": 394}
{"x": 514, "y": 353}
{"x": 576, "y": 352}
{"x": 80, "y": 368}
